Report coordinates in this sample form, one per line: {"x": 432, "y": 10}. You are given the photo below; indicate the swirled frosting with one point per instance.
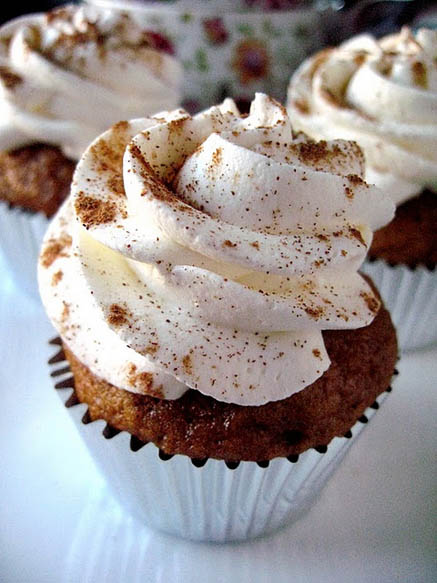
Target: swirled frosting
{"x": 68, "y": 75}
{"x": 210, "y": 252}
{"x": 383, "y": 94}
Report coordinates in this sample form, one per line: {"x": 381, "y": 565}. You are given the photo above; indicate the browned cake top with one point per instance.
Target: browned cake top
{"x": 363, "y": 362}
{"x": 411, "y": 238}
{"x": 36, "y": 178}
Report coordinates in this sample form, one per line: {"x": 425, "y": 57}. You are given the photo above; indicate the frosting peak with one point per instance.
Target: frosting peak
{"x": 213, "y": 250}
{"x": 381, "y": 93}
{"x": 68, "y": 75}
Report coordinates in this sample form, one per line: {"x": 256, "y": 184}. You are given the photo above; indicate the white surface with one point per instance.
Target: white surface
{"x": 375, "y": 522}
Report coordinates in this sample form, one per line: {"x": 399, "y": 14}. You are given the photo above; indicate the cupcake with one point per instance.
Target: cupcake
{"x": 65, "y": 77}
{"x": 383, "y": 94}
{"x": 203, "y": 277}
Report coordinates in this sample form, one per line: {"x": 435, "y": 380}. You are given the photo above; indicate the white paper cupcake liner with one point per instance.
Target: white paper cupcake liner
{"x": 410, "y": 295}
{"x": 21, "y": 235}
{"x": 205, "y": 500}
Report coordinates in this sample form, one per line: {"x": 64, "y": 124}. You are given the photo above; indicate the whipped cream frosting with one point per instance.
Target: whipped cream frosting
{"x": 210, "y": 252}
{"x": 381, "y": 93}
{"x": 68, "y": 75}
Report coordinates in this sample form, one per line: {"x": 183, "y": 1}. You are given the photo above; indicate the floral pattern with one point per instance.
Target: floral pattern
{"x": 237, "y": 53}
{"x": 251, "y": 60}
{"x": 159, "y": 42}
{"x": 215, "y": 31}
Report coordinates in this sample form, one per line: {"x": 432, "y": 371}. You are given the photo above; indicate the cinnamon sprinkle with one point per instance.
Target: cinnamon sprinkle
{"x": 151, "y": 348}
{"x": 217, "y": 156}
{"x": 356, "y": 180}
{"x": 314, "y": 312}
{"x": 372, "y": 303}
{"x": 56, "y": 278}
{"x": 9, "y": 78}
{"x": 302, "y": 106}
{"x": 143, "y": 382}
{"x": 177, "y": 125}
{"x": 54, "y": 249}
{"x": 118, "y": 316}
{"x": 65, "y": 312}
{"x": 349, "y": 192}
{"x": 357, "y": 235}
{"x": 93, "y": 211}
{"x": 187, "y": 364}
{"x": 419, "y": 74}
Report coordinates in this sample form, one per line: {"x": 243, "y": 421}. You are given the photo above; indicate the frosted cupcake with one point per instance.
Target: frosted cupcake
{"x": 383, "y": 94}
{"x": 203, "y": 277}
{"x": 65, "y": 77}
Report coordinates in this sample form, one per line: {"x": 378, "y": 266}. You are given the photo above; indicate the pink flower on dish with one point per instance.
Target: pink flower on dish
{"x": 215, "y": 31}
{"x": 251, "y": 60}
{"x": 159, "y": 42}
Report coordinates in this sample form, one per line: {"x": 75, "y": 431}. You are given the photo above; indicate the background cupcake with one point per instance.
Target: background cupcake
{"x": 383, "y": 94}
{"x": 205, "y": 309}
{"x": 65, "y": 76}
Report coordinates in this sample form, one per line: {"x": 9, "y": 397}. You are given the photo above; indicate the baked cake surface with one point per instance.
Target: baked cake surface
{"x": 197, "y": 425}
{"x": 36, "y": 178}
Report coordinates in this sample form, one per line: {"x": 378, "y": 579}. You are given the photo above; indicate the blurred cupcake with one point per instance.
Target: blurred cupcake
{"x": 203, "y": 278}
{"x": 383, "y": 94}
{"x": 65, "y": 77}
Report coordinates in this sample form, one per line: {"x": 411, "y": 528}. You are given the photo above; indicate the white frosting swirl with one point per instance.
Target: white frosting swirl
{"x": 383, "y": 94}
{"x": 211, "y": 251}
{"x": 68, "y": 75}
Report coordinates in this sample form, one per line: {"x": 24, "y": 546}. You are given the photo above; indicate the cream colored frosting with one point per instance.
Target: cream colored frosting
{"x": 210, "y": 252}
{"x": 68, "y": 75}
{"x": 383, "y": 94}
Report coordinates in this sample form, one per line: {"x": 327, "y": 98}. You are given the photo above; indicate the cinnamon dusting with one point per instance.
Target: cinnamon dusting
{"x": 314, "y": 312}
{"x": 177, "y": 125}
{"x": 65, "y": 312}
{"x": 118, "y": 316}
{"x": 143, "y": 382}
{"x": 371, "y": 302}
{"x": 217, "y": 156}
{"x": 9, "y": 78}
{"x": 187, "y": 364}
{"x": 54, "y": 249}
{"x": 153, "y": 185}
{"x": 356, "y": 180}
{"x": 355, "y": 233}
{"x": 419, "y": 74}
{"x": 151, "y": 348}
{"x": 56, "y": 278}
{"x": 302, "y": 106}
{"x": 93, "y": 211}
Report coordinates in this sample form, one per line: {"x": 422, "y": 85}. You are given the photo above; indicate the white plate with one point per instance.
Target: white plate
{"x": 375, "y": 521}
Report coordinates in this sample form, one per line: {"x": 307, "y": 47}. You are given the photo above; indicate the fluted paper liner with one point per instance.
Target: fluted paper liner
{"x": 204, "y": 500}
{"x": 21, "y": 235}
{"x": 410, "y": 295}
